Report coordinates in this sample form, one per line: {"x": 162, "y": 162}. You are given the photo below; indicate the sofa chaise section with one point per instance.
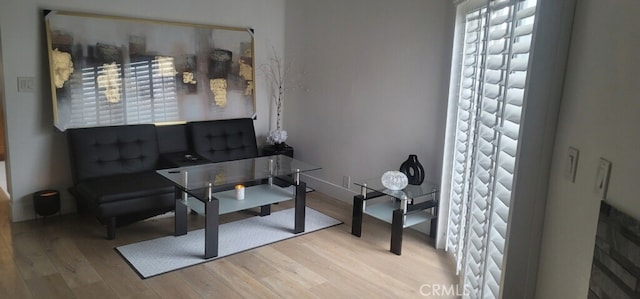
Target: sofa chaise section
{"x": 114, "y": 176}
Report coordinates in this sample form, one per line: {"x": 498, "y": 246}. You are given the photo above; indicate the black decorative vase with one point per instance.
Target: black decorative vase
{"x": 413, "y": 169}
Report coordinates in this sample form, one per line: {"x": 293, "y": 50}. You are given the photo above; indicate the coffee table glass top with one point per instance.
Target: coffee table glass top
{"x": 411, "y": 191}
{"x": 230, "y": 173}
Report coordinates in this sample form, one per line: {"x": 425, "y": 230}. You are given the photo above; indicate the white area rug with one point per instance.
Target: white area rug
{"x": 162, "y": 255}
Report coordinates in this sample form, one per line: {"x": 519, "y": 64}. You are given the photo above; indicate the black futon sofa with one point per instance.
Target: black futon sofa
{"x": 114, "y": 168}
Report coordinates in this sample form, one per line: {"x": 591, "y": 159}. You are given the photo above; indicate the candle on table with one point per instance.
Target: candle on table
{"x": 239, "y": 192}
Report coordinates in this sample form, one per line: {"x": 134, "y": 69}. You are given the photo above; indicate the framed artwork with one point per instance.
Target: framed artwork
{"x": 108, "y": 70}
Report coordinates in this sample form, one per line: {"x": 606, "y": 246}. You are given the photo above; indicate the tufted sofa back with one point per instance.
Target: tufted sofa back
{"x": 224, "y": 140}
{"x": 105, "y": 151}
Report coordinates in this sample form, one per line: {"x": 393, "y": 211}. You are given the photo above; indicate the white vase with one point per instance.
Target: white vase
{"x": 394, "y": 180}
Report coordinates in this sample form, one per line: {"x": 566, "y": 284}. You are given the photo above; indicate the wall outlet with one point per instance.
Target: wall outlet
{"x": 602, "y": 178}
{"x": 346, "y": 181}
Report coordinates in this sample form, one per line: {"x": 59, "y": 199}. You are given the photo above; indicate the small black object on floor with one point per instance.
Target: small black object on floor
{"x": 46, "y": 202}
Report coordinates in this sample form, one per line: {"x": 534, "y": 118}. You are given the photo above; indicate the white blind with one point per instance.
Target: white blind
{"x": 465, "y": 131}
{"x": 138, "y": 92}
{"x": 143, "y": 91}
{"x": 163, "y": 77}
{"x": 84, "y": 100}
{"x": 493, "y": 77}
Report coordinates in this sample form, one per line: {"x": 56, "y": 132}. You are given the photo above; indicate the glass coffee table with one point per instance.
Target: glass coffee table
{"x": 404, "y": 208}
{"x": 213, "y": 189}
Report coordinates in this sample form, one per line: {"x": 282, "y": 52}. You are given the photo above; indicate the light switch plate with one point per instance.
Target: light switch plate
{"x": 602, "y": 178}
{"x": 26, "y": 84}
{"x": 571, "y": 165}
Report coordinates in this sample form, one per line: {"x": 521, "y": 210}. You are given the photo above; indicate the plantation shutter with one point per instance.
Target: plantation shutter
{"x": 165, "y": 98}
{"x": 110, "y": 113}
{"x": 84, "y": 101}
{"x": 148, "y": 94}
{"x": 493, "y": 79}
{"x": 469, "y": 89}
{"x": 138, "y": 92}
{"x": 89, "y": 105}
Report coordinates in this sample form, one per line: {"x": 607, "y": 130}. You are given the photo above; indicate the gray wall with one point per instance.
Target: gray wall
{"x": 372, "y": 84}
{"x": 372, "y": 90}
{"x": 600, "y": 115}
{"x": 37, "y": 153}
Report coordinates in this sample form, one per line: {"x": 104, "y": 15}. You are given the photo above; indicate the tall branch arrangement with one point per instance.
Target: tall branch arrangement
{"x": 277, "y": 74}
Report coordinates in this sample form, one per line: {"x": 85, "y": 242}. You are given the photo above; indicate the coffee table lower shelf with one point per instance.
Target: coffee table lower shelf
{"x": 225, "y": 202}
{"x": 255, "y": 196}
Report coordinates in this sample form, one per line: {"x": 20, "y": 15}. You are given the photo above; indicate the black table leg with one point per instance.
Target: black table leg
{"x": 211, "y": 208}
{"x": 356, "y": 222}
{"x": 180, "y": 218}
{"x": 265, "y": 210}
{"x": 396, "y": 231}
{"x": 301, "y": 199}
{"x": 433, "y": 227}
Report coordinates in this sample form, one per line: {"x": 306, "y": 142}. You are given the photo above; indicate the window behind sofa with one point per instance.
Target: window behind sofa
{"x": 150, "y": 95}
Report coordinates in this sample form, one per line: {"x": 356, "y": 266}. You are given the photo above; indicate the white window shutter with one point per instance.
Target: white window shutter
{"x": 84, "y": 102}
{"x": 165, "y": 103}
{"x": 492, "y": 81}
{"x": 148, "y": 91}
{"x": 138, "y": 92}
{"x": 110, "y": 113}
{"x": 465, "y": 133}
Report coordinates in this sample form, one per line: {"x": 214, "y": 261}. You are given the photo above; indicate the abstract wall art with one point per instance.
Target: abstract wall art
{"x": 109, "y": 70}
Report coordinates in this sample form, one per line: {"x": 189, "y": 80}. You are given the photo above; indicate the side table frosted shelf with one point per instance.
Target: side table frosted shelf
{"x": 405, "y": 208}
{"x": 384, "y": 212}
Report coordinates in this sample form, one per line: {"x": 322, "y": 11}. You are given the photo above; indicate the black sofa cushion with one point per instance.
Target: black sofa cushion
{"x": 172, "y": 138}
{"x": 224, "y": 140}
{"x": 104, "y": 151}
{"x": 136, "y": 209}
{"x": 117, "y": 187}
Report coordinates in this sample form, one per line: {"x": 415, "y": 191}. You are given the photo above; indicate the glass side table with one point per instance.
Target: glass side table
{"x": 407, "y": 207}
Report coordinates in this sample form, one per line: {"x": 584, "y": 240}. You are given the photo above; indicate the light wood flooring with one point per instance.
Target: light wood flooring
{"x": 68, "y": 257}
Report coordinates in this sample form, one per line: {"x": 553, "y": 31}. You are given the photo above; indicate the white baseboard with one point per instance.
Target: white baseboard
{"x": 22, "y": 210}
{"x": 330, "y": 189}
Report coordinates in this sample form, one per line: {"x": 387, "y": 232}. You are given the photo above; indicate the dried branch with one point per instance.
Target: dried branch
{"x": 277, "y": 75}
